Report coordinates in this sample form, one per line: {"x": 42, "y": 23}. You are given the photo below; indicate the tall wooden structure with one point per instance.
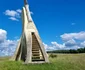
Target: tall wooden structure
{"x": 30, "y": 48}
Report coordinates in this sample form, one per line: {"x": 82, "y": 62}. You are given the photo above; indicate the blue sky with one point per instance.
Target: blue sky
{"x": 61, "y": 23}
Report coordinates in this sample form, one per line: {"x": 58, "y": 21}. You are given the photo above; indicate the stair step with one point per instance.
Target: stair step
{"x": 38, "y": 60}
{"x": 35, "y": 44}
{"x": 35, "y": 48}
{"x": 34, "y": 39}
{"x": 35, "y": 54}
{"x": 35, "y": 57}
{"x": 35, "y": 51}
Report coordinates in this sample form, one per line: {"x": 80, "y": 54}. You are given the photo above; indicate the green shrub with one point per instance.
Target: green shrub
{"x": 52, "y": 55}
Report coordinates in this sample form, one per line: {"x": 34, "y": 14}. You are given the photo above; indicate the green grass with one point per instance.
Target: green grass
{"x": 61, "y": 62}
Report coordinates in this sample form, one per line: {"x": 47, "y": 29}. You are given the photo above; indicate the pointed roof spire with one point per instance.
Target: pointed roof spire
{"x": 27, "y": 11}
{"x": 25, "y": 2}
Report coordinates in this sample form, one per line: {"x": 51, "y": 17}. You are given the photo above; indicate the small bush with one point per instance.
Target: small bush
{"x": 52, "y": 55}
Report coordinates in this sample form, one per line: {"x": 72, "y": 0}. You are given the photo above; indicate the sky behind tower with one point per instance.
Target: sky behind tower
{"x": 61, "y": 23}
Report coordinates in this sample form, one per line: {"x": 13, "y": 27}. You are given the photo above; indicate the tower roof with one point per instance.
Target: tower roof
{"x": 25, "y": 2}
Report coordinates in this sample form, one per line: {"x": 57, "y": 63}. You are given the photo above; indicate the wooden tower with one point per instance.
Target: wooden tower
{"x": 30, "y": 48}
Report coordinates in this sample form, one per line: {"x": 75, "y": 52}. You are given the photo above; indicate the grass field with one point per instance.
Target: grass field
{"x": 61, "y": 62}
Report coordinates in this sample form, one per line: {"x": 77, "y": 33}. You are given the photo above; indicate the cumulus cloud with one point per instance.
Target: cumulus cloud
{"x": 3, "y": 34}
{"x": 70, "y": 41}
{"x": 49, "y": 47}
{"x": 82, "y": 44}
{"x": 57, "y": 45}
{"x": 13, "y": 18}
{"x": 13, "y": 14}
{"x": 19, "y": 10}
{"x": 7, "y": 47}
{"x": 77, "y": 36}
{"x": 54, "y": 46}
{"x": 74, "y": 40}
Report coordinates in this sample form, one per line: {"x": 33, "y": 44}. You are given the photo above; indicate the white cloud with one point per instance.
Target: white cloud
{"x": 3, "y": 34}
{"x": 13, "y": 14}
{"x": 77, "y": 36}
{"x": 19, "y": 10}
{"x": 7, "y": 47}
{"x": 74, "y": 40}
{"x": 48, "y": 47}
{"x": 57, "y": 45}
{"x": 54, "y": 46}
{"x": 82, "y": 44}
{"x": 14, "y": 19}
{"x": 70, "y": 41}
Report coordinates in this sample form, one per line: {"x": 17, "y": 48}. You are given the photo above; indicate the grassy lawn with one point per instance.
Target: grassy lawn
{"x": 61, "y": 62}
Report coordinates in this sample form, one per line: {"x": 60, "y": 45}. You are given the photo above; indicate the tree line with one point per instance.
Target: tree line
{"x": 81, "y": 50}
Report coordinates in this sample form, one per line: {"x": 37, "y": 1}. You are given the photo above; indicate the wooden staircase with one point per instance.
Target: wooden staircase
{"x": 36, "y": 52}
